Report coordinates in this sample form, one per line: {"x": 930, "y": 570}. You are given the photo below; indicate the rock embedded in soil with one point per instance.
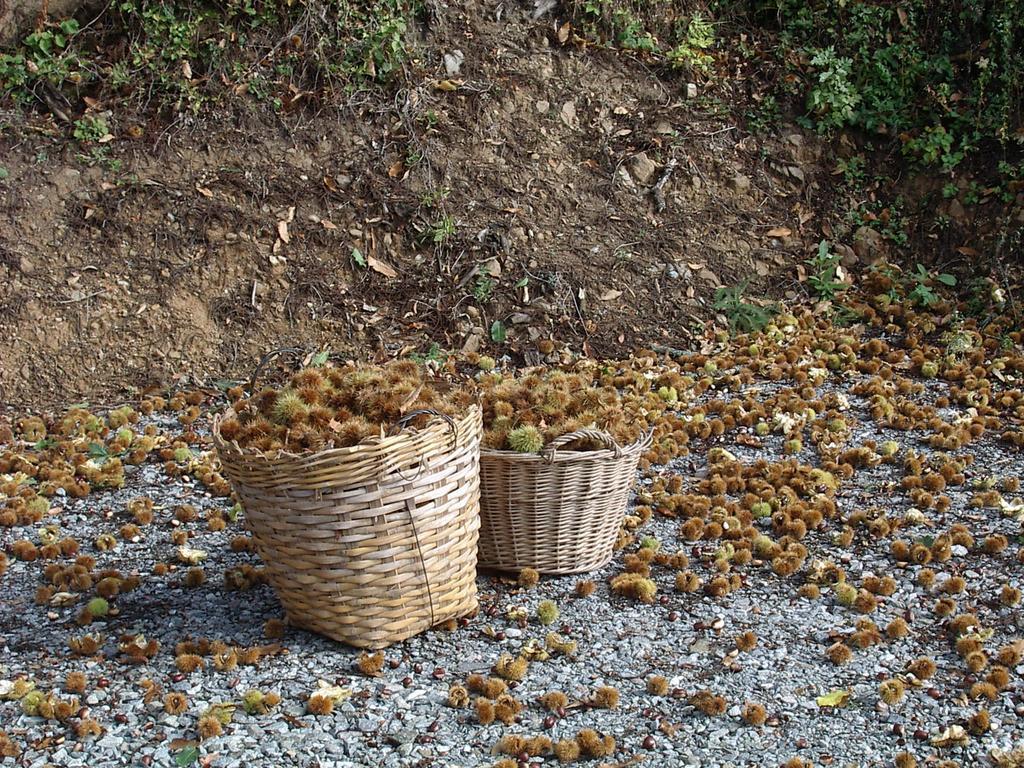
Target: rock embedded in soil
{"x": 642, "y": 168}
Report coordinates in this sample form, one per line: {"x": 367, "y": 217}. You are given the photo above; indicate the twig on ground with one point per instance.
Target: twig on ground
{"x": 77, "y": 299}
{"x": 659, "y": 187}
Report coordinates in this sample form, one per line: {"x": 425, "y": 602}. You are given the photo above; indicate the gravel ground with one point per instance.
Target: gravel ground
{"x": 400, "y": 718}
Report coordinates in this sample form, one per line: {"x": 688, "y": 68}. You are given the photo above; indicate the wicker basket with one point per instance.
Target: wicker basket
{"x": 371, "y": 544}
{"x": 555, "y": 511}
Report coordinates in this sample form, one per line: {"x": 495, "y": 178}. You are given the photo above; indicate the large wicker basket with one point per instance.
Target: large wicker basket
{"x": 557, "y": 511}
{"x": 371, "y": 544}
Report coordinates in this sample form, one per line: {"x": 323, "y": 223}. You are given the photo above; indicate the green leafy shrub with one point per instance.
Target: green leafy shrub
{"x": 833, "y": 96}
{"x": 90, "y": 128}
{"x": 942, "y": 78}
{"x": 691, "y": 52}
{"x": 923, "y": 281}
{"x": 822, "y": 276}
{"x": 669, "y": 30}
{"x": 45, "y": 56}
{"x": 180, "y": 55}
{"x": 743, "y": 317}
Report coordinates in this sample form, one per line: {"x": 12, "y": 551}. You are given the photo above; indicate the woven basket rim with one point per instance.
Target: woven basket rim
{"x": 365, "y": 445}
{"x": 641, "y": 444}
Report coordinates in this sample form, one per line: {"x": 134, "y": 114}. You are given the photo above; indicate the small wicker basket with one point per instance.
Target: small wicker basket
{"x": 555, "y": 511}
{"x": 371, "y": 544}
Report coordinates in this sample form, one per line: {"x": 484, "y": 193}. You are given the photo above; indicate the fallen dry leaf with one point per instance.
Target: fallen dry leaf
{"x": 836, "y": 698}
{"x": 779, "y": 232}
{"x": 380, "y": 266}
{"x": 282, "y": 231}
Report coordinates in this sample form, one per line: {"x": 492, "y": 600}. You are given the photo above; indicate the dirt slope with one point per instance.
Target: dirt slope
{"x": 524, "y": 196}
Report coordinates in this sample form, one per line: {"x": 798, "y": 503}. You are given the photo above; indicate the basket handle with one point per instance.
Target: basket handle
{"x": 581, "y": 434}
{"x": 399, "y": 425}
{"x": 402, "y": 422}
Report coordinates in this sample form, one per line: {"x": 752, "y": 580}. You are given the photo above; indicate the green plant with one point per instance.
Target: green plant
{"x": 697, "y": 36}
{"x": 45, "y": 55}
{"x": 100, "y": 155}
{"x": 973, "y": 193}
{"x": 742, "y": 316}
{"x": 483, "y": 288}
{"x": 844, "y": 316}
{"x": 939, "y": 79}
{"x": 184, "y": 55}
{"x": 853, "y": 170}
{"x": 120, "y": 75}
{"x": 935, "y": 145}
{"x": 822, "y": 277}
{"x": 442, "y": 230}
{"x": 888, "y": 220}
{"x": 429, "y": 118}
{"x": 90, "y": 128}
{"x": 922, "y": 292}
{"x": 763, "y": 118}
{"x": 632, "y": 34}
{"x": 434, "y": 197}
{"x": 665, "y": 29}
{"x": 1011, "y": 175}
{"x": 833, "y": 97}
{"x": 434, "y": 354}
